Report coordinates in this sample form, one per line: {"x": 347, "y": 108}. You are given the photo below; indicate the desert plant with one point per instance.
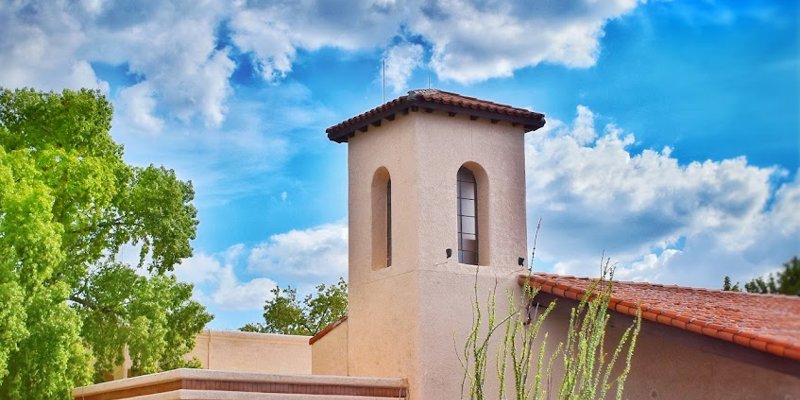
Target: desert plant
{"x": 588, "y": 370}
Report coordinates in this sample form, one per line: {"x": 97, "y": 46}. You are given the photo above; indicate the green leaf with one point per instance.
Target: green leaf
{"x": 68, "y": 202}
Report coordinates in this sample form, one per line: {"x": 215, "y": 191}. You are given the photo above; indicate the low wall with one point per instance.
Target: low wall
{"x": 243, "y": 352}
{"x": 329, "y": 350}
{"x": 198, "y": 384}
{"x": 253, "y": 352}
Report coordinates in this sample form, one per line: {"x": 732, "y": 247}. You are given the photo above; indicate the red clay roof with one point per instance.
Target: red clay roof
{"x": 769, "y": 323}
{"x": 434, "y": 99}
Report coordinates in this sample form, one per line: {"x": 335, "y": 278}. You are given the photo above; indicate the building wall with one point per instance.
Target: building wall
{"x": 403, "y": 320}
{"x": 443, "y": 145}
{"x": 667, "y": 369}
{"x": 253, "y": 352}
{"x": 670, "y": 364}
{"x": 329, "y": 353}
{"x": 383, "y": 303}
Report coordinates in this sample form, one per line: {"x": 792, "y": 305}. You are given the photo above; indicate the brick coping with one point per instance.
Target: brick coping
{"x": 213, "y": 380}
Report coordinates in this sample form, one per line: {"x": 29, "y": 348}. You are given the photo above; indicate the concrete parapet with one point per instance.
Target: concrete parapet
{"x": 198, "y": 384}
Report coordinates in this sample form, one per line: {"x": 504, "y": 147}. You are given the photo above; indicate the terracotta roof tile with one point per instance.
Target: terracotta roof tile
{"x": 434, "y": 99}
{"x": 769, "y": 323}
{"x": 327, "y": 329}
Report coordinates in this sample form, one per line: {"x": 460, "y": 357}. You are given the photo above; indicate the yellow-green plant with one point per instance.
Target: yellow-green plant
{"x": 588, "y": 368}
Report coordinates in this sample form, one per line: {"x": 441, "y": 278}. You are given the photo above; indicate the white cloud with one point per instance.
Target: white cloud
{"x": 267, "y": 39}
{"x": 199, "y": 269}
{"x": 175, "y": 50}
{"x": 471, "y": 41}
{"x": 138, "y": 108}
{"x": 300, "y": 258}
{"x": 474, "y": 41}
{"x": 218, "y": 286}
{"x": 318, "y": 253}
{"x": 171, "y": 46}
{"x": 663, "y": 221}
{"x": 274, "y": 31}
{"x": 234, "y": 295}
{"x": 38, "y": 46}
{"x": 401, "y": 60}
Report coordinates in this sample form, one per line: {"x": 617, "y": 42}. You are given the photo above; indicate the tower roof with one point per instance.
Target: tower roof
{"x": 439, "y": 100}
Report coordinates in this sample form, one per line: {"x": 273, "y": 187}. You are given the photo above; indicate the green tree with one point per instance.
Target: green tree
{"x": 728, "y": 286}
{"x": 285, "y": 314}
{"x": 68, "y": 203}
{"x": 784, "y": 282}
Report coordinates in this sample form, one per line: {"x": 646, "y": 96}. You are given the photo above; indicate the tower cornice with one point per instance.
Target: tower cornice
{"x": 430, "y": 100}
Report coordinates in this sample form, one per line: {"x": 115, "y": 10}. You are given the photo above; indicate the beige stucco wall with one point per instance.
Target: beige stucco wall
{"x": 670, "y": 364}
{"x": 382, "y": 303}
{"x": 329, "y": 353}
{"x": 403, "y": 319}
{"x": 443, "y": 145}
{"x": 253, "y": 352}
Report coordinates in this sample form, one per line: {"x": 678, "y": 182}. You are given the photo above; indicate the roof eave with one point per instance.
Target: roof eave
{"x": 343, "y": 132}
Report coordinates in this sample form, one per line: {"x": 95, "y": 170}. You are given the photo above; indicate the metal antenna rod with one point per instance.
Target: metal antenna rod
{"x": 383, "y": 79}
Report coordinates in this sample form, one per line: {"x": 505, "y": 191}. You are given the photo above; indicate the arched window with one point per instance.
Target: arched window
{"x": 467, "y": 217}
{"x": 381, "y": 219}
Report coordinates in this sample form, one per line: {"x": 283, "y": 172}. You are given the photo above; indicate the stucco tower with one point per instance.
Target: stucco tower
{"x": 437, "y": 197}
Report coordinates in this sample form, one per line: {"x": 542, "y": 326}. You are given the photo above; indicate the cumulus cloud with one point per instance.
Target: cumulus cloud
{"x": 300, "y": 258}
{"x": 315, "y": 254}
{"x": 661, "y": 220}
{"x": 138, "y": 107}
{"x": 400, "y": 61}
{"x": 38, "y": 46}
{"x": 170, "y": 46}
{"x": 234, "y": 295}
{"x": 474, "y": 41}
{"x": 177, "y": 50}
{"x": 471, "y": 41}
{"x": 217, "y": 284}
{"x": 273, "y": 31}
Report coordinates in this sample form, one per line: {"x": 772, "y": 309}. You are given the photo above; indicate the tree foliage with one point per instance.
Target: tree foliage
{"x": 728, "y": 286}
{"x": 68, "y": 203}
{"x": 783, "y": 282}
{"x": 285, "y": 314}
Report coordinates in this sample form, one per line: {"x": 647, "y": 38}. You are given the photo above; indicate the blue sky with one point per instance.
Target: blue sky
{"x": 672, "y": 141}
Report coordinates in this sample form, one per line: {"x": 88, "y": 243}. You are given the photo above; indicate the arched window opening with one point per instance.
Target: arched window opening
{"x": 467, "y": 217}
{"x": 381, "y": 219}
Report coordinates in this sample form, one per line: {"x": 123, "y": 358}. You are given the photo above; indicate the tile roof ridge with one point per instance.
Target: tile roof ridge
{"x": 483, "y": 101}
{"x": 424, "y": 90}
{"x": 666, "y": 285}
{"x": 428, "y": 91}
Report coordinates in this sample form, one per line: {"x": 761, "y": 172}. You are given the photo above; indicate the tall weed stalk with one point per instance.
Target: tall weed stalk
{"x": 588, "y": 368}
